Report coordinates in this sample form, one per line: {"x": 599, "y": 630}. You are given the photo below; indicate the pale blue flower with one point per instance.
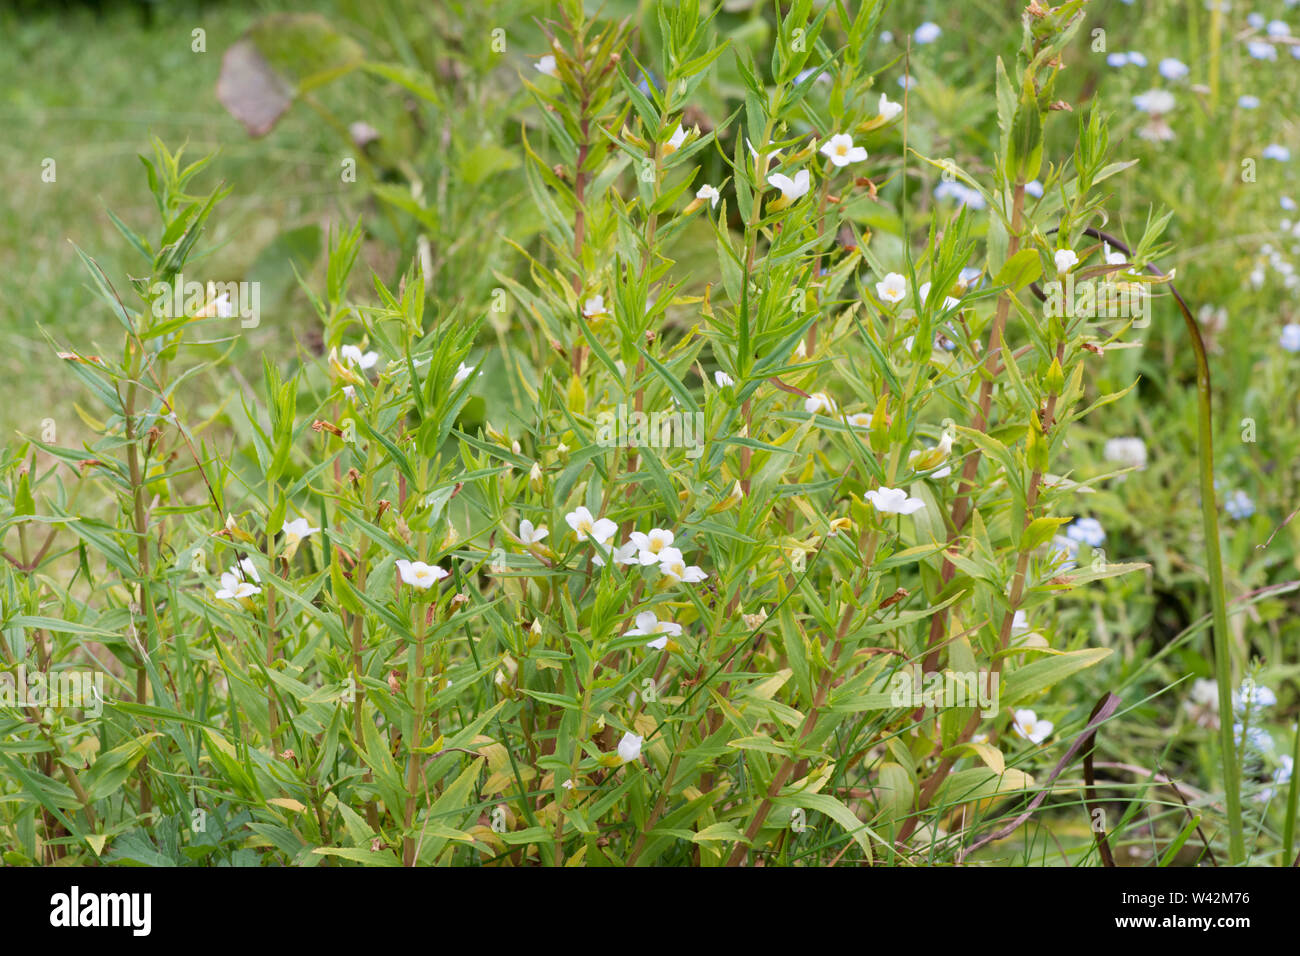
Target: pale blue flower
{"x": 1290, "y": 339}
{"x": 1261, "y": 50}
{"x": 927, "y": 33}
{"x": 1087, "y": 531}
{"x": 1172, "y": 69}
{"x": 1238, "y": 505}
{"x": 1248, "y": 102}
{"x": 1277, "y": 151}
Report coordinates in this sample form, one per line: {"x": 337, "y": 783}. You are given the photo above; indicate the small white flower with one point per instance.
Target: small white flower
{"x": 675, "y": 141}
{"x": 892, "y": 288}
{"x": 791, "y": 189}
{"x": 529, "y": 534}
{"x": 672, "y": 564}
{"x": 927, "y": 33}
{"x": 1027, "y": 726}
{"x": 354, "y": 356}
{"x": 819, "y": 403}
{"x": 1087, "y": 531}
{"x": 1290, "y": 338}
{"x": 249, "y": 569}
{"x": 649, "y": 546}
{"x": 1065, "y": 259}
{"x": 841, "y": 151}
{"x": 948, "y": 301}
{"x": 1172, "y": 69}
{"x": 647, "y": 624}
{"x": 1131, "y": 452}
{"x": 545, "y": 65}
{"x": 629, "y": 748}
{"x": 710, "y": 193}
{"x": 1156, "y": 102}
{"x": 297, "y": 530}
{"x": 462, "y": 372}
{"x": 859, "y": 420}
{"x": 772, "y": 154}
{"x": 893, "y": 501}
{"x": 888, "y": 109}
{"x": 419, "y": 575}
{"x": 1019, "y": 623}
{"x": 722, "y": 379}
{"x": 594, "y": 306}
{"x": 585, "y": 526}
{"x": 234, "y": 588}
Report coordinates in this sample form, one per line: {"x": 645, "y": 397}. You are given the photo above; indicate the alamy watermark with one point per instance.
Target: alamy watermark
{"x": 636, "y": 429}
{"x": 940, "y": 689}
{"x": 83, "y": 690}
{"x": 1098, "y": 299}
{"x": 216, "y": 299}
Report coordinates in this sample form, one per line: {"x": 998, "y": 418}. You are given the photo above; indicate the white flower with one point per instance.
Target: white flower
{"x": 529, "y": 534}
{"x": 419, "y": 575}
{"x": 888, "y": 108}
{"x": 249, "y": 569}
{"x": 545, "y": 65}
{"x": 948, "y": 301}
{"x": 234, "y": 588}
{"x": 859, "y": 420}
{"x": 1131, "y": 452}
{"x": 647, "y": 624}
{"x": 819, "y": 403}
{"x": 674, "y": 566}
{"x": 1019, "y": 623}
{"x": 1278, "y": 152}
{"x": 1087, "y": 531}
{"x": 927, "y": 33}
{"x": 594, "y": 306}
{"x": 1290, "y": 339}
{"x": 791, "y": 189}
{"x": 675, "y": 141}
{"x": 722, "y": 379}
{"x": 841, "y": 151}
{"x": 1065, "y": 260}
{"x": 354, "y": 356}
{"x": 710, "y": 193}
{"x": 294, "y": 531}
{"x": 1027, "y": 726}
{"x": 650, "y": 545}
{"x": 629, "y": 748}
{"x": 771, "y": 156}
{"x": 892, "y": 288}
{"x": 943, "y": 472}
{"x": 462, "y": 373}
{"x": 1205, "y": 693}
{"x": 585, "y": 526}
{"x": 1172, "y": 69}
{"x": 893, "y": 501}
{"x": 350, "y": 392}
{"x": 1238, "y": 505}
{"x": 1157, "y": 102}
